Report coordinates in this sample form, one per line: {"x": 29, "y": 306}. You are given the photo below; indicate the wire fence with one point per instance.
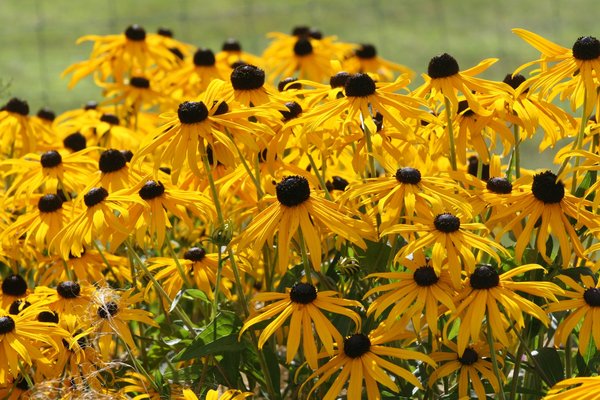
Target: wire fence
{"x": 37, "y": 37}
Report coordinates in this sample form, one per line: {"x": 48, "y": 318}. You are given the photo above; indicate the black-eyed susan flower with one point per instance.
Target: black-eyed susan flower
{"x": 302, "y": 55}
{"x": 21, "y": 133}
{"x": 136, "y": 94}
{"x": 365, "y": 59}
{"x": 198, "y": 267}
{"x": 544, "y": 202}
{"x": 116, "y": 55}
{"x": 22, "y": 339}
{"x": 363, "y": 98}
{"x": 197, "y": 125}
{"x": 409, "y": 192}
{"x": 246, "y": 86}
{"x": 296, "y": 208}
{"x": 99, "y": 218}
{"x": 49, "y": 172}
{"x": 194, "y": 77}
{"x": 578, "y": 66}
{"x": 444, "y": 79}
{"x": 231, "y": 394}
{"x": 450, "y": 239}
{"x": 42, "y": 222}
{"x": 14, "y": 287}
{"x": 69, "y": 299}
{"x": 232, "y": 55}
{"x": 111, "y": 314}
{"x": 418, "y": 291}
{"x": 583, "y": 304}
{"x": 114, "y": 172}
{"x": 492, "y": 296}
{"x": 360, "y": 358}
{"x": 152, "y": 199}
{"x": 472, "y": 364}
{"x": 303, "y": 305}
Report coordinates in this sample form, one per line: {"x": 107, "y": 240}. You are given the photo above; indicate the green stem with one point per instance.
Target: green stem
{"x": 576, "y": 144}
{"x": 568, "y": 348}
{"x": 177, "y": 310}
{"x": 450, "y": 134}
{"x": 319, "y": 176}
{"x": 305, "y": 260}
{"x": 515, "y": 374}
{"x": 255, "y": 179}
{"x": 490, "y": 339}
{"x": 516, "y": 151}
{"x": 211, "y": 183}
{"x": 368, "y": 140}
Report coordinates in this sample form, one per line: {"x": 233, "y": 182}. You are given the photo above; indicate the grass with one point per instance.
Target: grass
{"x": 37, "y": 37}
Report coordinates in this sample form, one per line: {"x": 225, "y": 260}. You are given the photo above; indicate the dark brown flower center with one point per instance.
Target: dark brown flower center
{"x": 166, "y": 32}
{"x": 339, "y": 80}
{"x": 68, "y": 289}
{"x": 359, "y": 85}
{"x": 293, "y": 110}
{"x": 292, "y": 191}
{"x": 469, "y": 357}
{"x": 110, "y": 119}
{"x": 337, "y": 183}
{"x": 135, "y": 33}
{"x": 111, "y": 160}
{"x": 408, "y": 175}
{"x": 446, "y": 223}
{"x": 514, "y": 81}
{"x": 108, "y": 310}
{"x": 17, "y": 306}
{"x": 204, "y": 57}
{"x": 46, "y": 114}
{"x": 195, "y": 254}
{"x": 315, "y": 34}
{"x": 231, "y": 45}
{"x": 222, "y": 108}
{"x": 592, "y": 297}
{"x": 7, "y": 325}
{"x": 499, "y": 185}
{"x": 95, "y": 196}
{"x": 281, "y": 86}
{"x": 463, "y": 108}
{"x": 14, "y": 285}
{"x": 50, "y": 159}
{"x": 473, "y": 165}
{"x": 48, "y": 316}
{"x": 366, "y": 52}
{"x": 75, "y": 142}
{"x": 151, "y": 189}
{"x": 49, "y": 203}
{"x": 139, "y": 82}
{"x": 300, "y": 30}
{"x": 303, "y": 47}
{"x": 247, "y": 77}
{"x": 17, "y": 106}
{"x": 425, "y": 276}
{"x": 484, "y": 277}
{"x": 356, "y": 345}
{"x": 303, "y": 293}
{"x": 442, "y": 66}
{"x": 547, "y": 189}
{"x": 586, "y": 48}
{"x": 192, "y": 112}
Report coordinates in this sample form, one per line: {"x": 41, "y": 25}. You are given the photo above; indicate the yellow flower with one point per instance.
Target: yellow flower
{"x": 472, "y": 363}
{"x": 487, "y": 294}
{"x": 580, "y": 388}
{"x": 360, "y": 357}
{"x": 303, "y": 305}
{"x": 583, "y": 303}
{"x": 296, "y": 209}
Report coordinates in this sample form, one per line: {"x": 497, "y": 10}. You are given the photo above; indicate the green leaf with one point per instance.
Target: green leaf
{"x": 550, "y": 360}
{"x": 198, "y": 294}
{"x": 375, "y": 257}
{"x": 220, "y": 335}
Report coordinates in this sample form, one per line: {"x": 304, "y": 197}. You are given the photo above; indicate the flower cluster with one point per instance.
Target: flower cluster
{"x": 301, "y": 224}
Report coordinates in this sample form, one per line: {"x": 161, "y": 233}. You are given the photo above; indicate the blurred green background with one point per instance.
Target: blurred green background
{"x": 37, "y": 37}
